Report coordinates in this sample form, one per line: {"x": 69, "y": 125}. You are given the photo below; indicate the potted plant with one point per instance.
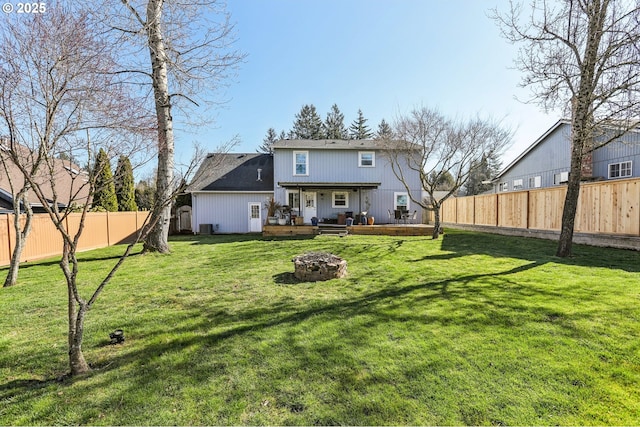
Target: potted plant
{"x": 273, "y": 209}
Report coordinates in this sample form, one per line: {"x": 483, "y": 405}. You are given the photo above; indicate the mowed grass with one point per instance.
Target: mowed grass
{"x": 470, "y": 329}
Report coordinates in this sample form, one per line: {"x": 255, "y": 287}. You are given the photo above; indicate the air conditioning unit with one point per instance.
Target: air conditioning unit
{"x": 206, "y": 228}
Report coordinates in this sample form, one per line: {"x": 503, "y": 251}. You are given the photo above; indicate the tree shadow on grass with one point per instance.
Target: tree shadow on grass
{"x": 462, "y": 243}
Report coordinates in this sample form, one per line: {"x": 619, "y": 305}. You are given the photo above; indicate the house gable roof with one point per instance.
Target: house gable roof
{"x": 332, "y": 144}
{"x": 71, "y": 183}
{"x": 532, "y": 146}
{"x": 234, "y": 172}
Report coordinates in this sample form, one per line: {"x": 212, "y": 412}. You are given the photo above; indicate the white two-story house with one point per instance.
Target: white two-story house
{"x": 327, "y": 180}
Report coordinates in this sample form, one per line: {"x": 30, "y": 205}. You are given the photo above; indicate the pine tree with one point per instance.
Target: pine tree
{"x": 308, "y": 124}
{"x": 359, "y": 128}
{"x": 124, "y": 185}
{"x": 481, "y": 172}
{"x": 334, "y": 124}
{"x": 267, "y": 142}
{"x": 104, "y": 197}
{"x": 145, "y": 194}
{"x": 384, "y": 131}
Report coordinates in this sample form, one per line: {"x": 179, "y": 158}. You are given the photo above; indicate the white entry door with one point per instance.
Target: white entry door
{"x": 309, "y": 208}
{"x": 255, "y": 217}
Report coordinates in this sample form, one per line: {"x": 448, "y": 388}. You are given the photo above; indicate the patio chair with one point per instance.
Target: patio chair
{"x": 414, "y": 217}
{"x": 389, "y": 216}
{"x": 397, "y": 215}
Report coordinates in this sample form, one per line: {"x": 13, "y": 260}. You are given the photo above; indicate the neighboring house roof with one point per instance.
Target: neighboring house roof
{"x": 333, "y": 144}
{"x": 70, "y": 181}
{"x": 234, "y": 172}
{"x": 532, "y": 146}
{"x": 540, "y": 140}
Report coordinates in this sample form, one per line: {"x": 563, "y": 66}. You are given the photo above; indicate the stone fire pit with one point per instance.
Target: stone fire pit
{"x": 318, "y": 266}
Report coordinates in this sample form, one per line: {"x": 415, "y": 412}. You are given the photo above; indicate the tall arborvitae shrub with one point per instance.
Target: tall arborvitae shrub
{"x": 125, "y": 188}
{"x": 104, "y": 197}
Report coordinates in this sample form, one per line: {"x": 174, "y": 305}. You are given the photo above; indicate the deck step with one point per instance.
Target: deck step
{"x": 333, "y": 229}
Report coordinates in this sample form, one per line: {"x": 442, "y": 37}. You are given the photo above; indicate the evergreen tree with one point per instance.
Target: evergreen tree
{"x": 104, "y": 197}
{"x": 124, "y": 184}
{"x": 482, "y": 171}
{"x": 308, "y": 124}
{"x": 334, "y": 124}
{"x": 145, "y": 194}
{"x": 282, "y": 135}
{"x": 267, "y": 142}
{"x": 384, "y": 131}
{"x": 359, "y": 128}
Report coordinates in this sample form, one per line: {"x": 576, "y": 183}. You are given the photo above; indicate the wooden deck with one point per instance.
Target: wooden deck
{"x": 378, "y": 229}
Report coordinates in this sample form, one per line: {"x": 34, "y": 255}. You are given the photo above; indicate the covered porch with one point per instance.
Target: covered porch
{"x": 329, "y": 202}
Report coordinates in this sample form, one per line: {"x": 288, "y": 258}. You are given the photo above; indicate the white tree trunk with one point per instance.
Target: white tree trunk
{"x": 158, "y": 237}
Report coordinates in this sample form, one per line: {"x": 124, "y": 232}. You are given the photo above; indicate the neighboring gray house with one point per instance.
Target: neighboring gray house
{"x": 547, "y": 161}
{"x": 326, "y": 179}
{"x": 229, "y": 192}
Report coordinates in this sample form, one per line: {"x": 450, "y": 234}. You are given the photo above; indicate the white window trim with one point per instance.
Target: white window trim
{"x": 373, "y": 159}
{"x": 629, "y": 162}
{"x": 395, "y": 199}
{"x": 295, "y": 154}
{"x": 346, "y": 199}
{"x": 503, "y": 186}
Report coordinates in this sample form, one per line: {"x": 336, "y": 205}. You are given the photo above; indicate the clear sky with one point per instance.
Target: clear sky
{"x": 385, "y": 57}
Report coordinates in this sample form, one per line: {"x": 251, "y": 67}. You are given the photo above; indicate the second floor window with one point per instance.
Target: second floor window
{"x": 366, "y": 159}
{"x": 301, "y": 163}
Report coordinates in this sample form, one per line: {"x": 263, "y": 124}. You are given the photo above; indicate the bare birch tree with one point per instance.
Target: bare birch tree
{"x": 440, "y": 149}
{"x": 189, "y": 53}
{"x": 582, "y": 57}
{"x": 63, "y": 96}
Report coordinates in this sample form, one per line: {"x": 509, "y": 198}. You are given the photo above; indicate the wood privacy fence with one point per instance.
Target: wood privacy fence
{"x": 611, "y": 207}
{"x": 101, "y": 229}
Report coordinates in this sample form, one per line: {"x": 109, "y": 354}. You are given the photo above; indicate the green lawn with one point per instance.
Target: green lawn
{"x": 469, "y": 329}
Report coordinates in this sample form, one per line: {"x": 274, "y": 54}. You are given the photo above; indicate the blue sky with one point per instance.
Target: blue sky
{"x": 385, "y": 57}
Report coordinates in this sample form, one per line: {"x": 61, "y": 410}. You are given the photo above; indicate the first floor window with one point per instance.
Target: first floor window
{"x": 340, "y": 199}
{"x": 517, "y": 184}
{"x": 620, "y": 170}
{"x": 560, "y": 178}
{"x": 401, "y": 201}
{"x": 504, "y": 186}
{"x": 535, "y": 182}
